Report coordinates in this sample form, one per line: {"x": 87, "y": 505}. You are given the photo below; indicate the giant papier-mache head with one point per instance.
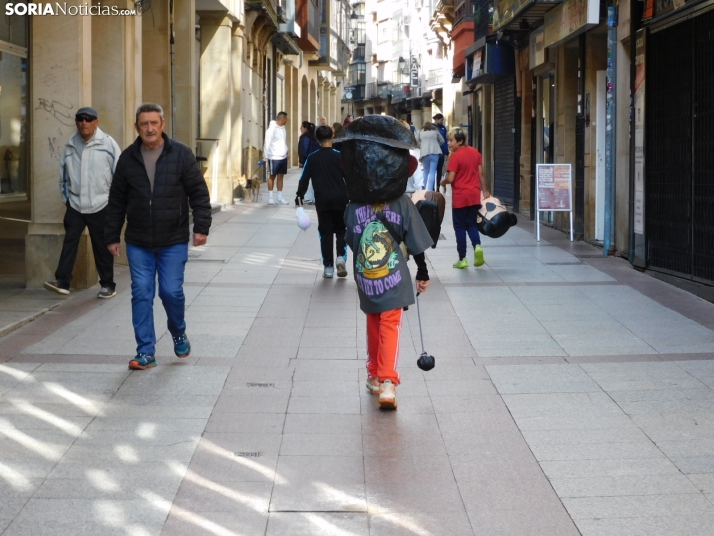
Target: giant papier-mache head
{"x": 375, "y": 158}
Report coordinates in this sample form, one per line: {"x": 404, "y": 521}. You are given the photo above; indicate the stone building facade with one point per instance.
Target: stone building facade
{"x": 221, "y": 69}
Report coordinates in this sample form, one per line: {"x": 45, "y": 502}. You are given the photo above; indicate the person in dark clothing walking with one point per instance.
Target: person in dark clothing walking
{"x": 328, "y": 179}
{"x": 155, "y": 181}
{"x": 307, "y": 144}
{"x": 86, "y": 168}
{"x": 439, "y": 124}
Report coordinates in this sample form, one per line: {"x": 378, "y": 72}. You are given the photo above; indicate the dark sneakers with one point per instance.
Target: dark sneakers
{"x": 182, "y": 347}
{"x": 54, "y": 286}
{"x": 142, "y": 362}
{"x": 106, "y": 293}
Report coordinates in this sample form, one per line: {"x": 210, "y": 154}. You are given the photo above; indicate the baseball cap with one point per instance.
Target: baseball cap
{"x": 87, "y": 110}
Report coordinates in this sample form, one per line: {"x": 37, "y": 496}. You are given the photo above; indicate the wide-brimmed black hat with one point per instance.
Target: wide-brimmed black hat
{"x": 379, "y": 129}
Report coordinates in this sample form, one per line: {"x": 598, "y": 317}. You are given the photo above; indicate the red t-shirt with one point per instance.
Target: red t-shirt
{"x": 466, "y": 188}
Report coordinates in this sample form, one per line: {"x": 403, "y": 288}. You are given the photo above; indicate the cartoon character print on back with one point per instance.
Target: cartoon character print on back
{"x": 376, "y": 256}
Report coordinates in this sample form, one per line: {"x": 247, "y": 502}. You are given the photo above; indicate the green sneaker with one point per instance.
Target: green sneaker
{"x": 461, "y": 264}
{"x": 478, "y": 256}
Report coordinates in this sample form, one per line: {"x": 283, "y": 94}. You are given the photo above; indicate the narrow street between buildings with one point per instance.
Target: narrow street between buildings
{"x": 571, "y": 395}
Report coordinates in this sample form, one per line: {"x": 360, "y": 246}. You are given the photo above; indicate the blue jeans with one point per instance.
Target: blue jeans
{"x": 464, "y": 220}
{"x": 144, "y": 264}
{"x": 429, "y": 162}
{"x": 439, "y": 171}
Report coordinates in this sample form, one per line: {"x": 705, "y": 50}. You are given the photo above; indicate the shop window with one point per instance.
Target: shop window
{"x": 13, "y": 106}
{"x": 545, "y": 133}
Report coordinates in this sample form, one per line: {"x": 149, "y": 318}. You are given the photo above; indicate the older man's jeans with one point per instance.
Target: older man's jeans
{"x": 145, "y": 264}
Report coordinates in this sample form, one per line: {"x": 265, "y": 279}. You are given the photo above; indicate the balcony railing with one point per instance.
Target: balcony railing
{"x": 371, "y": 90}
{"x": 435, "y": 78}
{"x": 400, "y": 93}
{"x": 269, "y": 6}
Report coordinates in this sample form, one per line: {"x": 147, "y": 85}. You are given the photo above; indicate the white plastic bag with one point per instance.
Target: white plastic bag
{"x": 303, "y": 218}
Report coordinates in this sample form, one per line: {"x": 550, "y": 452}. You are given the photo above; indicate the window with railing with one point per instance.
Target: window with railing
{"x": 358, "y": 73}
{"x": 463, "y": 11}
{"x": 483, "y": 17}
{"x": 435, "y": 77}
{"x": 360, "y": 33}
{"x": 358, "y": 53}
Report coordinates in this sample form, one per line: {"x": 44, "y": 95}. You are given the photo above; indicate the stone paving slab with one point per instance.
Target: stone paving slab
{"x": 571, "y": 396}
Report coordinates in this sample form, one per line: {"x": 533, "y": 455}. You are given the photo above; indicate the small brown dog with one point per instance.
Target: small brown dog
{"x": 254, "y": 192}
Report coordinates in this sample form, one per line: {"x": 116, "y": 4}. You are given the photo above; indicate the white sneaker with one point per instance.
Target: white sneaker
{"x": 340, "y": 267}
{"x": 373, "y": 385}
{"x": 271, "y": 201}
{"x": 282, "y": 201}
{"x": 388, "y": 395}
{"x": 329, "y": 272}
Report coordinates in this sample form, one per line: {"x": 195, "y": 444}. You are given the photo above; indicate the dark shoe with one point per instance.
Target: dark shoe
{"x": 142, "y": 362}
{"x": 182, "y": 348}
{"x": 106, "y": 293}
{"x": 54, "y": 286}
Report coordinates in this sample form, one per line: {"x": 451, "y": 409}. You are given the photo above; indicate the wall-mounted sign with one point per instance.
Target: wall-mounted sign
{"x": 414, "y": 72}
{"x": 539, "y": 53}
{"x": 478, "y": 64}
{"x": 570, "y": 19}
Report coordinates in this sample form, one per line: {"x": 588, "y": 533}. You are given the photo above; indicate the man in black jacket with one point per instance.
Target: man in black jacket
{"x": 328, "y": 180}
{"x": 155, "y": 180}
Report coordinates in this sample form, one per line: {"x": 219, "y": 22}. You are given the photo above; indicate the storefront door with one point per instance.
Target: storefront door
{"x": 545, "y": 129}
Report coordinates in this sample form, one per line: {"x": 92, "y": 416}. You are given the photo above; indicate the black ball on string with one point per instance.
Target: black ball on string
{"x": 426, "y": 361}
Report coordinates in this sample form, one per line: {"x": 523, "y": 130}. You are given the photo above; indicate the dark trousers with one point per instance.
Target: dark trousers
{"x": 331, "y": 223}
{"x": 464, "y": 220}
{"x": 74, "y": 224}
{"x": 439, "y": 171}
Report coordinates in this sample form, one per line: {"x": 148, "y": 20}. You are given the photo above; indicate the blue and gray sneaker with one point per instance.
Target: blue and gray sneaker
{"x": 142, "y": 362}
{"x": 182, "y": 348}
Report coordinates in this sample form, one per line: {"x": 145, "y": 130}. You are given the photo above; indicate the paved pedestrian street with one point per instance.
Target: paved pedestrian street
{"x": 571, "y": 395}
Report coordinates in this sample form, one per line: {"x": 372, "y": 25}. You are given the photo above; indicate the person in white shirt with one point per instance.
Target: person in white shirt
{"x": 275, "y": 151}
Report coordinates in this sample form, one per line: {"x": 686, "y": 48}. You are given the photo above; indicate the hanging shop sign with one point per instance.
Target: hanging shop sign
{"x": 554, "y": 191}
{"x": 570, "y": 19}
{"x": 414, "y": 72}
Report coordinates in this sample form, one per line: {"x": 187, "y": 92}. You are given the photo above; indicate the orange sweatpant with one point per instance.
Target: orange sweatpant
{"x": 383, "y": 331}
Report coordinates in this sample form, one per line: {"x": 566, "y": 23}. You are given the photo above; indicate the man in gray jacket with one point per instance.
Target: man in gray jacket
{"x": 86, "y": 170}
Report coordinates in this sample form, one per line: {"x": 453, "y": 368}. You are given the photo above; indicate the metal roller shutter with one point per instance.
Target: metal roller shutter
{"x": 503, "y": 140}
{"x": 679, "y": 154}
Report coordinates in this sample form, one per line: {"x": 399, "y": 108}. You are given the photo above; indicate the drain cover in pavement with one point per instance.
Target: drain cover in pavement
{"x": 249, "y": 454}
{"x": 260, "y": 384}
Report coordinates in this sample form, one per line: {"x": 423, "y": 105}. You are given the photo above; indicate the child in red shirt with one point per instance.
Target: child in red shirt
{"x": 465, "y": 174}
